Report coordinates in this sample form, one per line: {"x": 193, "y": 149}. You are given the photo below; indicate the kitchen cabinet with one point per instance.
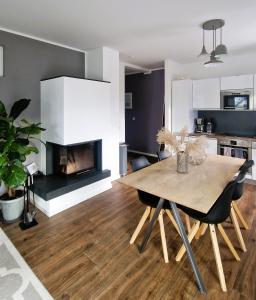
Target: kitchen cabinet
{"x": 206, "y": 94}
{"x": 212, "y": 147}
{"x": 182, "y": 111}
{"x": 236, "y": 82}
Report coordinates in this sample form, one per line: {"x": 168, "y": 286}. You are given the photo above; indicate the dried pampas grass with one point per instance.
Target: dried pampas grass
{"x": 181, "y": 142}
{"x": 164, "y": 136}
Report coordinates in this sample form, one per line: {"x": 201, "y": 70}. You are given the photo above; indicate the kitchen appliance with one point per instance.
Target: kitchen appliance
{"x": 235, "y": 147}
{"x": 199, "y": 125}
{"x": 236, "y": 99}
{"x": 209, "y": 127}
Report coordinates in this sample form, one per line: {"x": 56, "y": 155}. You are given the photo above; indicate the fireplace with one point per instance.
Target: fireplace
{"x": 73, "y": 159}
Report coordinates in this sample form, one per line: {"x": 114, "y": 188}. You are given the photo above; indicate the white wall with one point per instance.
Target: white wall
{"x": 122, "y": 102}
{"x": 103, "y": 64}
{"x": 171, "y": 71}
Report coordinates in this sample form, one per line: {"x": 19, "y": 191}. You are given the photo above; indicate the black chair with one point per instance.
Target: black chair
{"x": 151, "y": 202}
{"x": 219, "y": 212}
{"x": 238, "y": 193}
{"x": 239, "y": 190}
{"x": 163, "y": 154}
{"x": 246, "y": 166}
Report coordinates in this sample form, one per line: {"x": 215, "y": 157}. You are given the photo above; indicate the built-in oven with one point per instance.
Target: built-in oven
{"x": 240, "y": 148}
{"x": 236, "y": 99}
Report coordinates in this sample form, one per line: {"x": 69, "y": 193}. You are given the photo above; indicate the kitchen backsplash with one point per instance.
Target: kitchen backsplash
{"x": 232, "y": 122}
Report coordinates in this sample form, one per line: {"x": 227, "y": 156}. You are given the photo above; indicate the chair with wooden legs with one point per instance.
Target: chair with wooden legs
{"x": 235, "y": 213}
{"x": 217, "y": 214}
{"x": 239, "y": 190}
{"x": 163, "y": 154}
{"x": 151, "y": 202}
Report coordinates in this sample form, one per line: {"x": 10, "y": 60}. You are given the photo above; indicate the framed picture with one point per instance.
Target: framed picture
{"x": 1, "y": 61}
{"x": 128, "y": 100}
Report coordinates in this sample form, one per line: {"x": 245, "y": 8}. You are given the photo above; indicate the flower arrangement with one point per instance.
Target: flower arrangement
{"x": 180, "y": 142}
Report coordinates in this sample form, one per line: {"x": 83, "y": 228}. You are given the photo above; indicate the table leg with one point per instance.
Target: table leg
{"x": 151, "y": 225}
{"x": 188, "y": 247}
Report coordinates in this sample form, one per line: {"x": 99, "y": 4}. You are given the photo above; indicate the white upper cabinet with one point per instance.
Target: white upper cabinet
{"x": 237, "y": 82}
{"x": 206, "y": 93}
{"x": 182, "y": 111}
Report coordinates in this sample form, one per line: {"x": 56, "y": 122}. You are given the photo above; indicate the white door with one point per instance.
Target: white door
{"x": 182, "y": 111}
{"x": 237, "y": 82}
{"x": 206, "y": 94}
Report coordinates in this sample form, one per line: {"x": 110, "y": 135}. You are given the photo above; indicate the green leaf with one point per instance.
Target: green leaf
{"x": 18, "y": 108}
{"x": 14, "y": 176}
{"x": 2, "y": 109}
{"x": 32, "y": 129}
{"x": 22, "y": 141}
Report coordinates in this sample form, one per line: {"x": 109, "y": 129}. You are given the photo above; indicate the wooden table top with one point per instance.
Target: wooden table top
{"x": 198, "y": 189}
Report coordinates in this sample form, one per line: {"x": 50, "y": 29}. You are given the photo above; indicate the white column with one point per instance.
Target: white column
{"x": 121, "y": 102}
{"x": 103, "y": 64}
{"x": 171, "y": 71}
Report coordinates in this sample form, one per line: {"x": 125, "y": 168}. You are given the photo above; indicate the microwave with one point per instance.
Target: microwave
{"x": 237, "y": 99}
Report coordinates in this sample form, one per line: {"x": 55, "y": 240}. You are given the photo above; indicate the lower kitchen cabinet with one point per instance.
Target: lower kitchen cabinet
{"x": 212, "y": 147}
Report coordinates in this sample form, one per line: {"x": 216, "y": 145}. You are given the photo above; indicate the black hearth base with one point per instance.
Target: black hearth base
{"x": 49, "y": 187}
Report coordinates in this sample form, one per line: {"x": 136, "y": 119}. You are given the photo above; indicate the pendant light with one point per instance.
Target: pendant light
{"x": 217, "y": 51}
{"x": 203, "y": 52}
{"x": 214, "y": 61}
{"x": 221, "y": 49}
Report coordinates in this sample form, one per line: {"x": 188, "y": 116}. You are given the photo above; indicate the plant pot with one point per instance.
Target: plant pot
{"x": 12, "y": 209}
{"x": 2, "y": 189}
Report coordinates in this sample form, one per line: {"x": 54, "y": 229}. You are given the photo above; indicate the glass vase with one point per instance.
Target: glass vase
{"x": 182, "y": 162}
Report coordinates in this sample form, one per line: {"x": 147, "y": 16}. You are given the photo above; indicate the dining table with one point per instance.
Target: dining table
{"x": 198, "y": 189}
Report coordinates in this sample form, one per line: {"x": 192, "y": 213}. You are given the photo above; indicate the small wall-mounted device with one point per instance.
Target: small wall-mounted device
{"x": 32, "y": 168}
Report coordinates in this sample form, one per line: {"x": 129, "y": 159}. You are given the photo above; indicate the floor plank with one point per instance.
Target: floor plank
{"x": 84, "y": 253}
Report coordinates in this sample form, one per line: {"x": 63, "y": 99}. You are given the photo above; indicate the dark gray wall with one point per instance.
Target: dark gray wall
{"x": 148, "y": 99}
{"x": 27, "y": 61}
{"x": 232, "y": 122}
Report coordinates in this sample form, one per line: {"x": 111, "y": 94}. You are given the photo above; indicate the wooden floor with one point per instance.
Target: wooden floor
{"x": 84, "y": 253}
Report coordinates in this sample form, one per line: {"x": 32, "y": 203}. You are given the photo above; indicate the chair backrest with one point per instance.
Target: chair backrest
{"x": 246, "y": 166}
{"x": 220, "y": 211}
{"x": 163, "y": 154}
{"x": 239, "y": 189}
{"x": 139, "y": 163}
{"x": 146, "y": 198}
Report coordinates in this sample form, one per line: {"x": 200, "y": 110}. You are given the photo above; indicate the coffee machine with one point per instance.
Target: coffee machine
{"x": 199, "y": 125}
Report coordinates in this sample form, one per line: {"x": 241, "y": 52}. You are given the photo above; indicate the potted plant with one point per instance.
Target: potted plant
{"x": 15, "y": 146}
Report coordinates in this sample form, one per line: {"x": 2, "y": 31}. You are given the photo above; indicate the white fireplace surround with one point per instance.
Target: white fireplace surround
{"x": 76, "y": 111}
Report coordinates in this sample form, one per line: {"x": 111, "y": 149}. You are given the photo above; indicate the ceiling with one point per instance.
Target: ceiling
{"x": 145, "y": 32}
